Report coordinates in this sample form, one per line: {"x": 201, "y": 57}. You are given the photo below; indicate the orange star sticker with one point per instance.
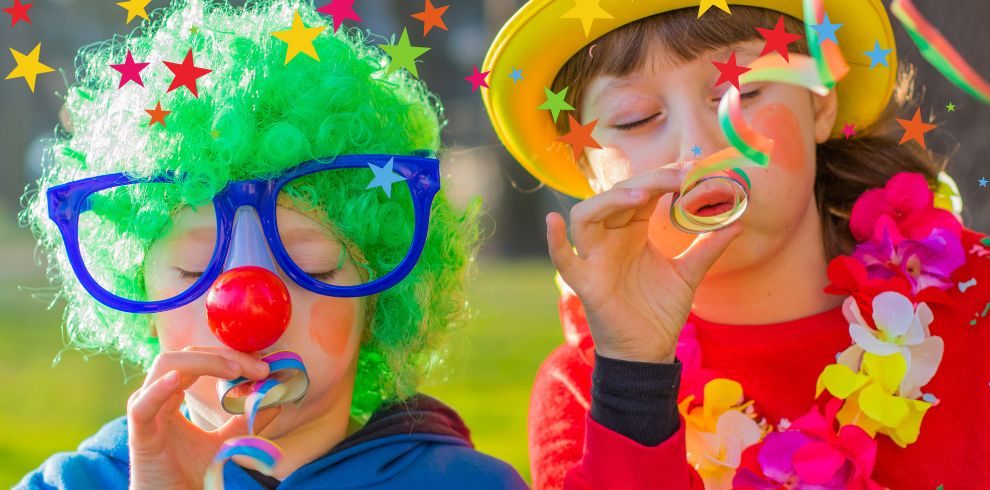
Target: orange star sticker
{"x": 915, "y": 129}
{"x": 157, "y": 115}
{"x": 580, "y": 136}
{"x": 431, "y": 17}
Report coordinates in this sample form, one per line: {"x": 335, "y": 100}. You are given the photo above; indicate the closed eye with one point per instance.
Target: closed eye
{"x": 635, "y": 124}
{"x": 191, "y": 275}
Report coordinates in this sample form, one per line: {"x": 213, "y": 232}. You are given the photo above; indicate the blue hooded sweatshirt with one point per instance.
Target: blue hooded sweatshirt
{"x": 420, "y": 444}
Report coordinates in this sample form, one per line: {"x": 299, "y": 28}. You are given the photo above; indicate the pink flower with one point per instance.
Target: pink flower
{"x": 693, "y": 376}
{"x": 810, "y": 455}
{"x": 925, "y": 262}
{"x": 905, "y": 206}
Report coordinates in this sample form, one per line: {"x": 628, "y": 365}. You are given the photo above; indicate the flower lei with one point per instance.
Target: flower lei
{"x": 908, "y": 250}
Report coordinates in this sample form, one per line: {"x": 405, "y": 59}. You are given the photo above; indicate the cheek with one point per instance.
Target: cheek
{"x": 778, "y": 122}
{"x": 332, "y": 323}
{"x": 176, "y": 329}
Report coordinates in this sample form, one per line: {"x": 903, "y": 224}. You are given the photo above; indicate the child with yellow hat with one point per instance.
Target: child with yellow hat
{"x": 761, "y": 289}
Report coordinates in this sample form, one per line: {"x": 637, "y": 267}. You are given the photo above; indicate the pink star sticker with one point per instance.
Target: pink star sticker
{"x": 340, "y": 10}
{"x": 849, "y": 130}
{"x": 130, "y": 71}
{"x": 477, "y": 79}
{"x": 729, "y": 71}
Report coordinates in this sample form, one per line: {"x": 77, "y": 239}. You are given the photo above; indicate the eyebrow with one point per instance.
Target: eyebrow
{"x": 743, "y": 47}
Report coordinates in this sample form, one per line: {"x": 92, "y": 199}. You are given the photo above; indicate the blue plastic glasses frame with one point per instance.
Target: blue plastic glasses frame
{"x": 421, "y": 172}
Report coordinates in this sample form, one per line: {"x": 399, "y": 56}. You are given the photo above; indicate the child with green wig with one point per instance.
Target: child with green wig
{"x": 245, "y": 203}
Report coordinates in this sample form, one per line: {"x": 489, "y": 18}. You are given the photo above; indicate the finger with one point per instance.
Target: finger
{"x": 143, "y": 408}
{"x": 561, "y": 250}
{"x": 251, "y": 363}
{"x": 694, "y": 262}
{"x": 657, "y": 182}
{"x": 193, "y": 364}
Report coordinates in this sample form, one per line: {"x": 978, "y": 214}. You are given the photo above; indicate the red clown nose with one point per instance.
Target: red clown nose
{"x": 248, "y": 308}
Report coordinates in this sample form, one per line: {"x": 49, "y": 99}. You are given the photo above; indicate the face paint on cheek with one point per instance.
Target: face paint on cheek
{"x": 779, "y": 123}
{"x": 331, "y": 324}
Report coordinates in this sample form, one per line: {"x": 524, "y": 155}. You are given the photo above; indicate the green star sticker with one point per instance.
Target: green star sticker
{"x": 555, "y": 102}
{"x": 951, "y": 107}
{"x": 403, "y": 54}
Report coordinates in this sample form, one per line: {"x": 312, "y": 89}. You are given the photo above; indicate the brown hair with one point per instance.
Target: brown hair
{"x": 845, "y": 168}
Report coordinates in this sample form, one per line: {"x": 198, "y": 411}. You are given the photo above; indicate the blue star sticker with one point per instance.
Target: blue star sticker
{"x": 878, "y": 56}
{"x": 826, "y": 30}
{"x": 516, "y": 75}
{"x": 384, "y": 177}
{"x": 983, "y": 182}
{"x": 696, "y": 150}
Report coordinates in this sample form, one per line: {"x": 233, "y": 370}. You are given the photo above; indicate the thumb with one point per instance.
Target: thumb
{"x": 237, "y": 425}
{"x": 702, "y": 254}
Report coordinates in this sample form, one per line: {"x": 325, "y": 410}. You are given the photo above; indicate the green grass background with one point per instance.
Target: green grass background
{"x": 46, "y": 408}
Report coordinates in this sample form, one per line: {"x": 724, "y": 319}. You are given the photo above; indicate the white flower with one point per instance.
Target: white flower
{"x": 901, "y": 328}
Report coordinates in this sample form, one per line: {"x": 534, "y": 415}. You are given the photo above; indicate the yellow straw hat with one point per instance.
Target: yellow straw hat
{"x": 544, "y": 34}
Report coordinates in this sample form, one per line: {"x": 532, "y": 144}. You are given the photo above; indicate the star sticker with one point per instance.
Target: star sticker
{"x": 477, "y": 79}
{"x": 135, "y": 8}
{"x": 580, "y": 136}
{"x": 696, "y": 150}
{"x": 777, "y": 38}
{"x": 186, "y": 74}
{"x": 19, "y": 12}
{"x": 983, "y": 182}
{"x": 729, "y": 71}
{"x": 707, "y": 4}
{"x": 915, "y": 129}
{"x": 555, "y": 102}
{"x": 826, "y": 30}
{"x": 384, "y": 177}
{"x": 28, "y": 66}
{"x": 878, "y": 56}
{"x": 299, "y": 38}
{"x": 516, "y": 75}
{"x": 431, "y": 17}
{"x": 403, "y": 54}
{"x": 194, "y": 30}
{"x": 130, "y": 71}
{"x": 849, "y": 130}
{"x": 587, "y": 11}
{"x": 157, "y": 114}
{"x": 340, "y": 10}
{"x": 951, "y": 107}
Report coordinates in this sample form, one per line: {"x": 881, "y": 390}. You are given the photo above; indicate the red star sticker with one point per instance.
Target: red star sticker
{"x": 130, "y": 71}
{"x": 340, "y": 10}
{"x": 477, "y": 79}
{"x": 19, "y": 12}
{"x": 186, "y": 74}
{"x": 431, "y": 17}
{"x": 729, "y": 71}
{"x": 580, "y": 136}
{"x": 777, "y": 39}
{"x": 915, "y": 129}
{"x": 849, "y": 130}
{"x": 157, "y": 114}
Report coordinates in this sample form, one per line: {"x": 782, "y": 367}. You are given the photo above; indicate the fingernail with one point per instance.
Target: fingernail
{"x": 636, "y": 193}
{"x": 170, "y": 377}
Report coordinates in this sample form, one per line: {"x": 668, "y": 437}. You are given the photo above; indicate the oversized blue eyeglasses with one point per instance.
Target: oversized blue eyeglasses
{"x": 86, "y": 211}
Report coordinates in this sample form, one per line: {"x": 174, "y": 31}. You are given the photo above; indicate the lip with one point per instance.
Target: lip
{"x": 710, "y": 202}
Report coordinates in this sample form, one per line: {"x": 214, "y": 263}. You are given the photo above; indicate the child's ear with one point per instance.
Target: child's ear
{"x": 826, "y": 107}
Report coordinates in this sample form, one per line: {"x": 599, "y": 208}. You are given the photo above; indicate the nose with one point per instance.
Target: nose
{"x": 248, "y": 307}
{"x": 700, "y": 133}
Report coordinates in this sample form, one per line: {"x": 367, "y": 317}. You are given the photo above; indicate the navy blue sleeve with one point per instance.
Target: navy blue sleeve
{"x": 636, "y": 399}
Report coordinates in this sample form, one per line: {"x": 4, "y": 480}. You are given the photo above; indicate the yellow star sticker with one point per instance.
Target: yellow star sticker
{"x": 28, "y": 66}
{"x": 300, "y": 39}
{"x": 135, "y": 8}
{"x": 587, "y": 11}
{"x": 707, "y": 4}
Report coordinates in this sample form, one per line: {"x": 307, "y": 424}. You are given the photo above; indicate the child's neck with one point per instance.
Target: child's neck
{"x": 787, "y": 287}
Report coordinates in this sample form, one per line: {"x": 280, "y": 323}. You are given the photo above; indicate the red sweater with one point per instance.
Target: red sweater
{"x": 778, "y": 366}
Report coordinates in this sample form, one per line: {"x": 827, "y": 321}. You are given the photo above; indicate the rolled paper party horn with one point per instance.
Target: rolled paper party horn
{"x": 711, "y": 203}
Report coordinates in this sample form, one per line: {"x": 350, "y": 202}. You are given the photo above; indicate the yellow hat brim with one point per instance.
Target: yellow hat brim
{"x": 538, "y": 41}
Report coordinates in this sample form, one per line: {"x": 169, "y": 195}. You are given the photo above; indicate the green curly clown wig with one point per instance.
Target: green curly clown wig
{"x": 254, "y": 117}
